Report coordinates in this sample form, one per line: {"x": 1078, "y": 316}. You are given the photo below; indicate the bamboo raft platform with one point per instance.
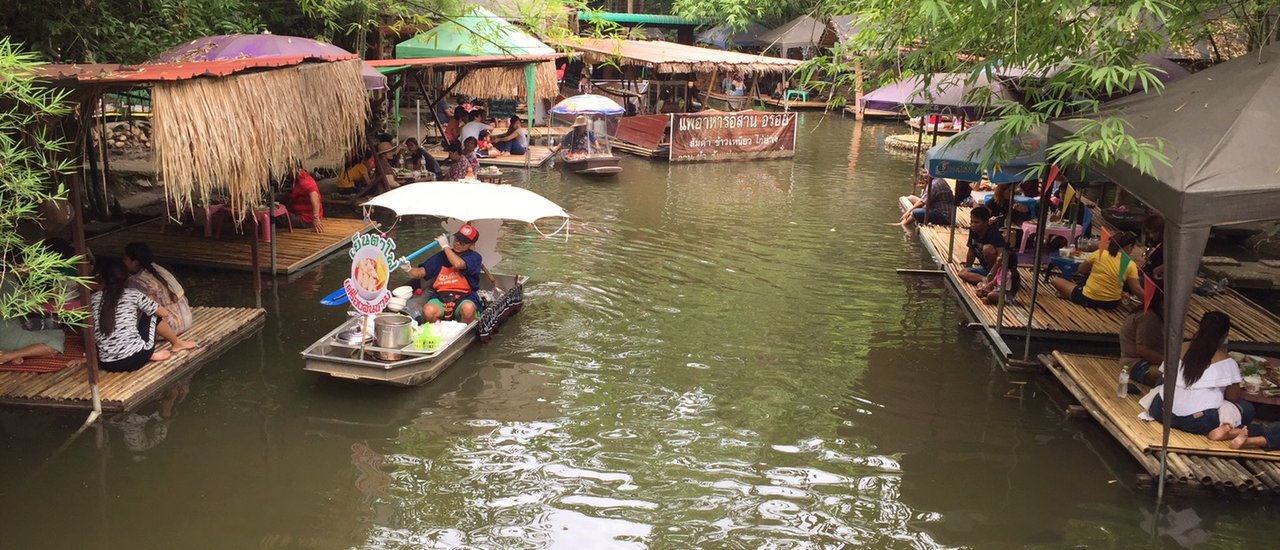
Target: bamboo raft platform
{"x": 188, "y": 246}
{"x": 639, "y": 150}
{"x": 874, "y": 114}
{"x": 538, "y": 156}
{"x": 768, "y": 101}
{"x": 217, "y": 329}
{"x": 907, "y": 142}
{"x": 1253, "y": 328}
{"x": 1194, "y": 460}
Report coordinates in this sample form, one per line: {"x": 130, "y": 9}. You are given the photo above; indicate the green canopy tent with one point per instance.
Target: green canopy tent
{"x": 480, "y": 32}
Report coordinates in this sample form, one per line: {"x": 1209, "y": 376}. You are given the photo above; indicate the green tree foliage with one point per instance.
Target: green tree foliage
{"x": 122, "y": 31}
{"x": 740, "y": 13}
{"x": 1097, "y": 50}
{"x": 30, "y": 162}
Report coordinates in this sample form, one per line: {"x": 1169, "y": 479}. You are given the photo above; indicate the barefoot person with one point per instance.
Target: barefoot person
{"x": 1208, "y": 391}
{"x": 938, "y": 204}
{"x": 18, "y": 344}
{"x": 1102, "y": 290}
{"x": 124, "y": 323}
{"x": 158, "y": 284}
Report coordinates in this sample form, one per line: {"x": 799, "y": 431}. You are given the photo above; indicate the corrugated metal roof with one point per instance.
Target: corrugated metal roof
{"x": 669, "y": 57}
{"x": 464, "y": 61}
{"x": 162, "y": 72}
{"x": 639, "y": 18}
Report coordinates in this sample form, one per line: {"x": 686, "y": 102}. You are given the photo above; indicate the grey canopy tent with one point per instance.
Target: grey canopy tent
{"x": 724, "y": 37}
{"x": 801, "y": 32}
{"x": 1219, "y": 127}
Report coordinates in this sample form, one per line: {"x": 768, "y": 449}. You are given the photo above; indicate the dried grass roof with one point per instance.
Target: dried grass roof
{"x": 237, "y": 133}
{"x": 506, "y": 81}
{"x": 669, "y": 57}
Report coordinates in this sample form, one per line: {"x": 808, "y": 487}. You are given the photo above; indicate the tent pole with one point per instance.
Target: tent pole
{"x": 1041, "y": 221}
{"x": 936, "y": 120}
{"x": 1008, "y": 222}
{"x": 530, "y": 96}
{"x": 919, "y": 147}
{"x": 951, "y": 241}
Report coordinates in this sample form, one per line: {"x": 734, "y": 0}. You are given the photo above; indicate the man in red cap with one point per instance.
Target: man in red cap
{"x": 450, "y": 280}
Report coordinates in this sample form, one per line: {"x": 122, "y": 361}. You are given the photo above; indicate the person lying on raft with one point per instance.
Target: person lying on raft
{"x": 985, "y": 244}
{"x": 1208, "y": 394}
{"x": 1102, "y": 289}
{"x": 449, "y": 280}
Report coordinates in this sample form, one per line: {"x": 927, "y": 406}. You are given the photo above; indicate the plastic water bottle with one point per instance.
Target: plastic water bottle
{"x": 1122, "y": 391}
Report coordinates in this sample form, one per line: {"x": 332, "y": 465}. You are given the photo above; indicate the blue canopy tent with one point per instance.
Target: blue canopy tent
{"x": 962, "y": 158}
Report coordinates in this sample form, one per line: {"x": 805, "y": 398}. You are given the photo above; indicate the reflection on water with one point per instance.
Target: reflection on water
{"x": 720, "y": 356}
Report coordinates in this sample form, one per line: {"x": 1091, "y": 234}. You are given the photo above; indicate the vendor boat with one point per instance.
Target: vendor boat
{"x": 356, "y": 349}
{"x": 593, "y": 114}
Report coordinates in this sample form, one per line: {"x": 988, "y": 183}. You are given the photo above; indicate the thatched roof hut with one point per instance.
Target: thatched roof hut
{"x": 230, "y": 127}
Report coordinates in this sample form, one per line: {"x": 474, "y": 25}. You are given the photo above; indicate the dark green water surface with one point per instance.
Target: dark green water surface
{"x": 720, "y": 356}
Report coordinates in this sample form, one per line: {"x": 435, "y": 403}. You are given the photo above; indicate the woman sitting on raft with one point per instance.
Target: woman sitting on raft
{"x": 1102, "y": 289}
{"x": 158, "y": 284}
{"x": 938, "y": 204}
{"x": 124, "y": 323}
{"x": 1208, "y": 392}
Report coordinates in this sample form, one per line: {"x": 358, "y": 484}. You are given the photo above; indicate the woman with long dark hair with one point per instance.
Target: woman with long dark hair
{"x": 1102, "y": 290}
{"x": 159, "y": 285}
{"x": 1207, "y": 395}
{"x": 124, "y": 322}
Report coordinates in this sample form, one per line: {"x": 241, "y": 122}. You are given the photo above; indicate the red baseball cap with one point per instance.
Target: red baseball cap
{"x": 467, "y": 233}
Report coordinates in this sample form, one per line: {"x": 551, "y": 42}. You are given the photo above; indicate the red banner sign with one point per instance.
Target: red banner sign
{"x": 731, "y": 136}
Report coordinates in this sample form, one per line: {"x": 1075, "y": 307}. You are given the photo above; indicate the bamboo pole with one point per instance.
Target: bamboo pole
{"x": 254, "y": 261}
{"x": 858, "y": 113}
{"x": 711, "y": 86}
{"x": 1042, "y": 222}
{"x": 1003, "y": 284}
{"x": 82, "y": 267}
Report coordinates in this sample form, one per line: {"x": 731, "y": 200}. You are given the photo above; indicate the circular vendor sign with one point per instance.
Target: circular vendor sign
{"x": 371, "y": 259}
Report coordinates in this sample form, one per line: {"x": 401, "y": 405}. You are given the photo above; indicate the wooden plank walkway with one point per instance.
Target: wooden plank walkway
{"x": 538, "y": 155}
{"x": 1253, "y": 327}
{"x": 874, "y": 114}
{"x": 1194, "y": 460}
{"x": 188, "y": 246}
{"x": 217, "y": 329}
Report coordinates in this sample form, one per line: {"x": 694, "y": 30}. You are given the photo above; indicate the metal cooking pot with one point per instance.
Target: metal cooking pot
{"x": 392, "y": 331}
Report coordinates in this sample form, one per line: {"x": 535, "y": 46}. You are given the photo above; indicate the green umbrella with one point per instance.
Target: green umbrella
{"x": 479, "y": 32}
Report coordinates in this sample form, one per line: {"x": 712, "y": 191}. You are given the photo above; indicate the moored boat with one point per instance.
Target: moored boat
{"x": 360, "y": 349}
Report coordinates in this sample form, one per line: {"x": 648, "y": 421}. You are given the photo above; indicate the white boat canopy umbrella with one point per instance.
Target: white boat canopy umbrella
{"x": 468, "y": 202}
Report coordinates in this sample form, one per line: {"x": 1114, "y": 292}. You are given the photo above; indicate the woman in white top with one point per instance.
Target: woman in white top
{"x": 1208, "y": 390}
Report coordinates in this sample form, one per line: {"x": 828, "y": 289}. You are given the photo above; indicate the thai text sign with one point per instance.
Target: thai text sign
{"x": 727, "y": 136}
{"x": 371, "y": 259}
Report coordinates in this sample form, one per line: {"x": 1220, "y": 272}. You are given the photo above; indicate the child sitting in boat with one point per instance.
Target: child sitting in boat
{"x": 448, "y": 281}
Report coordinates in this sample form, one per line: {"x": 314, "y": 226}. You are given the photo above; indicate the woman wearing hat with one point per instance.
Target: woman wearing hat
{"x": 580, "y": 140}
{"x": 383, "y": 178}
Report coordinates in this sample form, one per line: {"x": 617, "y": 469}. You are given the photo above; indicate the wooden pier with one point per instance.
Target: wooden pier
{"x": 538, "y": 155}
{"x": 217, "y": 329}
{"x": 178, "y": 245}
{"x": 1194, "y": 461}
{"x": 1253, "y": 328}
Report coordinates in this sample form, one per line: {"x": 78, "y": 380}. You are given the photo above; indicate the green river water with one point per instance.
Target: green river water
{"x": 720, "y": 356}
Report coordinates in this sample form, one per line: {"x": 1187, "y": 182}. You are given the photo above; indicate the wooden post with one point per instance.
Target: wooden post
{"x": 255, "y": 264}
{"x": 857, "y": 91}
{"x": 75, "y": 192}
{"x": 1008, "y": 222}
{"x": 710, "y": 86}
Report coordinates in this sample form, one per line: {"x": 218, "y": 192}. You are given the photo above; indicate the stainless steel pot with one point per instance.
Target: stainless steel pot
{"x": 392, "y": 331}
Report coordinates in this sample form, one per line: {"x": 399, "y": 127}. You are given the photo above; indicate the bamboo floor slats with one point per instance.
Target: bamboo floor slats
{"x": 1193, "y": 459}
{"x": 1253, "y": 327}
{"x": 538, "y": 155}
{"x": 215, "y": 328}
{"x": 188, "y": 246}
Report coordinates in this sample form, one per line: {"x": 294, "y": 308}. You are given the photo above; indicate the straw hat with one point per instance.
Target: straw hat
{"x": 387, "y": 146}
{"x": 580, "y": 121}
